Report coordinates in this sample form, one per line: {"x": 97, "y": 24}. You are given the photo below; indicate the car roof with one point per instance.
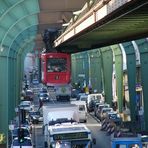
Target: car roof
{"x": 107, "y": 108}
{"x": 16, "y": 138}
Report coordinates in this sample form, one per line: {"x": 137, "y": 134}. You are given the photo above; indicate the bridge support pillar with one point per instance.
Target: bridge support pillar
{"x": 95, "y": 70}
{"x": 119, "y": 75}
{"x": 143, "y": 49}
{"x": 107, "y": 69}
{"x": 4, "y": 102}
{"x": 131, "y": 72}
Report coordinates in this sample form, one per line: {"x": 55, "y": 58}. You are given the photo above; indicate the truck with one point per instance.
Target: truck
{"x": 69, "y": 135}
{"x": 54, "y": 114}
{"x": 126, "y": 140}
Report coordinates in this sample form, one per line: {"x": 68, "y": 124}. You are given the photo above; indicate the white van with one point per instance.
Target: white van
{"x": 82, "y": 110}
{"x": 92, "y": 99}
{"x": 97, "y": 96}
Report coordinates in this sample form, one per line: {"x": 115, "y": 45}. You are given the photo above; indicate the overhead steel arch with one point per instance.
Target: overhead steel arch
{"x": 19, "y": 34}
{"x": 15, "y": 25}
{"x": 27, "y": 8}
{"x": 20, "y": 47}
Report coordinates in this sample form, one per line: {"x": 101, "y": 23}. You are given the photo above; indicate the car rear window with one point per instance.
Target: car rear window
{"x": 27, "y": 142}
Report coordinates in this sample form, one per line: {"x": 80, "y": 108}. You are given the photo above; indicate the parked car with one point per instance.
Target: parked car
{"x": 96, "y": 96}
{"x": 92, "y": 99}
{"x": 35, "y": 117}
{"x": 26, "y": 105}
{"x": 104, "y": 111}
{"x": 100, "y": 107}
{"x": 96, "y": 107}
{"x": 114, "y": 116}
{"x": 27, "y": 143}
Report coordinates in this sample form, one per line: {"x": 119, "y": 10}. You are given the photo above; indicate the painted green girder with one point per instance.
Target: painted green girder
{"x": 119, "y": 75}
{"x": 95, "y": 70}
{"x": 131, "y": 72}
{"x": 4, "y": 102}
{"x": 107, "y": 68}
{"x": 143, "y": 49}
{"x": 14, "y": 22}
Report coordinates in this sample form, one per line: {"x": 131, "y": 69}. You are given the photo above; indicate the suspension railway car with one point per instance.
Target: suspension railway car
{"x": 56, "y": 74}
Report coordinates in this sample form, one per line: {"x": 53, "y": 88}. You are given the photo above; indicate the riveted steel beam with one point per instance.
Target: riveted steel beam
{"x": 131, "y": 72}
{"x": 143, "y": 49}
{"x": 119, "y": 75}
{"x": 107, "y": 68}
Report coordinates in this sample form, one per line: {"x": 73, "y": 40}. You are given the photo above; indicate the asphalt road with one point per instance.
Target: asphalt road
{"x": 102, "y": 140}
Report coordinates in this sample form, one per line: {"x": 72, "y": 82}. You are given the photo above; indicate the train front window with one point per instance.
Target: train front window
{"x": 57, "y": 65}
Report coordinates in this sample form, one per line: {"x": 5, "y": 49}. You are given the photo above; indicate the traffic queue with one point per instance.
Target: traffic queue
{"x": 61, "y": 123}
{"x": 112, "y": 123}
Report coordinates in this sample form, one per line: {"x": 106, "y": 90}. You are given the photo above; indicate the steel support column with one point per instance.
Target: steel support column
{"x": 73, "y": 68}
{"x": 4, "y": 102}
{"x": 119, "y": 74}
{"x": 107, "y": 69}
{"x": 95, "y": 67}
{"x": 143, "y": 49}
{"x": 11, "y": 87}
{"x": 131, "y": 72}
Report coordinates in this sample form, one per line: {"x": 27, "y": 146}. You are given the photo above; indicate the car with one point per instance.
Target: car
{"x": 104, "y": 111}
{"x": 95, "y": 96}
{"x": 82, "y": 110}
{"x": 35, "y": 82}
{"x": 44, "y": 97}
{"x": 100, "y": 107}
{"x": 114, "y": 116}
{"x": 79, "y": 95}
{"x": 96, "y": 107}
{"x": 83, "y": 97}
{"x": 29, "y": 95}
{"x": 27, "y": 124}
{"x": 27, "y": 143}
{"x": 26, "y": 105}
{"x": 35, "y": 117}
{"x": 74, "y": 93}
{"x": 43, "y": 90}
{"x": 15, "y": 132}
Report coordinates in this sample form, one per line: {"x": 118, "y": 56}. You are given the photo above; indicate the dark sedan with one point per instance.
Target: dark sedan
{"x": 44, "y": 97}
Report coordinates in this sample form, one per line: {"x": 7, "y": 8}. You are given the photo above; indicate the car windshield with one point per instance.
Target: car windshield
{"x": 34, "y": 113}
{"x": 98, "y": 97}
{"x": 81, "y": 108}
{"x": 25, "y": 103}
{"x": 107, "y": 110}
{"x": 57, "y": 65}
{"x": 43, "y": 95}
{"x": 27, "y": 142}
{"x": 83, "y": 98}
{"x": 43, "y": 90}
{"x": 15, "y": 132}
{"x": 29, "y": 93}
